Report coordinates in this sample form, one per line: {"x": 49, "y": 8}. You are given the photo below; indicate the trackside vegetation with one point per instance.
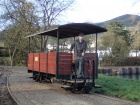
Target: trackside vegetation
{"x": 119, "y": 87}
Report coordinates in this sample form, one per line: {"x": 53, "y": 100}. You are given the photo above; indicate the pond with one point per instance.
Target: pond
{"x": 135, "y": 77}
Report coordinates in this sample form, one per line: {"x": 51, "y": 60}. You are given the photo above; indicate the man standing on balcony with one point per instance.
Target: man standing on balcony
{"x": 80, "y": 47}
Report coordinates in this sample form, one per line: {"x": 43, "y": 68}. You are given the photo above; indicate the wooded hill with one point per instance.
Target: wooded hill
{"x": 128, "y": 20}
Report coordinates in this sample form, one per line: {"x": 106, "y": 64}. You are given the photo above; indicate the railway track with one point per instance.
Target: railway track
{"x": 6, "y": 96}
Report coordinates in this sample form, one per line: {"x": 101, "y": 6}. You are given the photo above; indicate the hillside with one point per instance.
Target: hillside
{"x": 128, "y": 20}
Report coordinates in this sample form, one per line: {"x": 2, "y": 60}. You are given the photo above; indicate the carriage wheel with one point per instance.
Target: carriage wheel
{"x": 40, "y": 79}
{"x": 37, "y": 78}
{"x": 80, "y": 89}
{"x": 63, "y": 83}
{"x": 52, "y": 80}
{"x": 86, "y": 91}
{"x": 73, "y": 90}
{"x": 34, "y": 77}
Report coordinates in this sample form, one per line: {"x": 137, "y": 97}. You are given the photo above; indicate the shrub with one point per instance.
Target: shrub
{"x": 128, "y": 61}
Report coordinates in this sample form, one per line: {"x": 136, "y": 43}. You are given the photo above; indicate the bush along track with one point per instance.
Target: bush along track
{"x": 119, "y": 87}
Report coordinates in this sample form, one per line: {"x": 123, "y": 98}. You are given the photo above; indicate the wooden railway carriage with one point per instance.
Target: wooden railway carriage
{"x": 49, "y": 65}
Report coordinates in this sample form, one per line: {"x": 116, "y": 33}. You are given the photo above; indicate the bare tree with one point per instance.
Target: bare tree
{"x": 20, "y": 20}
{"x": 50, "y": 11}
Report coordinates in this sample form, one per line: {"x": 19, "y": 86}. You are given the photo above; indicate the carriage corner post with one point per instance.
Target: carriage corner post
{"x": 29, "y": 45}
{"x": 93, "y": 71}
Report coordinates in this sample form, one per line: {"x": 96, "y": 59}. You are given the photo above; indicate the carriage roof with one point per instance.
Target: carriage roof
{"x": 72, "y": 30}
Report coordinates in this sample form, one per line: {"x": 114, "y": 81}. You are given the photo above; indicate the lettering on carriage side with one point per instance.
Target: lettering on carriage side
{"x": 36, "y": 58}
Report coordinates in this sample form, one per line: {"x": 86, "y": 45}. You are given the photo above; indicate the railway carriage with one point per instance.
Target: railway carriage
{"x": 60, "y": 65}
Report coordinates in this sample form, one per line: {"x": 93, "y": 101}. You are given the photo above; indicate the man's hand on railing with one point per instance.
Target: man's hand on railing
{"x": 83, "y": 54}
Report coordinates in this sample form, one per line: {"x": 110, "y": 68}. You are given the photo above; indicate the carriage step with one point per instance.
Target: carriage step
{"x": 97, "y": 86}
{"x": 73, "y": 81}
{"x": 77, "y": 81}
{"x": 66, "y": 87}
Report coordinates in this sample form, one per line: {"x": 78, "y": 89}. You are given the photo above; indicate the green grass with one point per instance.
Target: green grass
{"x": 119, "y": 87}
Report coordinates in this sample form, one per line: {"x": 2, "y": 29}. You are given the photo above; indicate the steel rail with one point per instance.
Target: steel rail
{"x": 9, "y": 90}
{"x": 1, "y": 71}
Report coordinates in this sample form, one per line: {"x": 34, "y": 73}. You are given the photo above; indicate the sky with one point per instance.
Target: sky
{"x": 101, "y": 10}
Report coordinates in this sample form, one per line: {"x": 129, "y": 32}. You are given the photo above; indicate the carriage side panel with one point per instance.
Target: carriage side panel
{"x": 52, "y": 63}
{"x": 36, "y": 61}
{"x": 65, "y": 63}
{"x": 30, "y": 61}
{"x": 43, "y": 62}
{"x": 90, "y": 56}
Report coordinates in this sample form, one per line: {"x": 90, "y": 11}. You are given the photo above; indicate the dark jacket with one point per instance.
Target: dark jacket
{"x": 79, "y": 48}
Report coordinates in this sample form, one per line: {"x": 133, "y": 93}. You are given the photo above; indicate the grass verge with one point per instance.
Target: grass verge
{"x": 119, "y": 87}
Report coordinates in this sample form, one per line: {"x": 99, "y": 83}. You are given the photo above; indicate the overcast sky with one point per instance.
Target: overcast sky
{"x": 101, "y": 10}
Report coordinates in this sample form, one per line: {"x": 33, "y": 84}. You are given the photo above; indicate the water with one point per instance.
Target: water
{"x": 135, "y": 77}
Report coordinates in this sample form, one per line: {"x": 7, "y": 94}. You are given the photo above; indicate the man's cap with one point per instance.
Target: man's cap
{"x": 81, "y": 34}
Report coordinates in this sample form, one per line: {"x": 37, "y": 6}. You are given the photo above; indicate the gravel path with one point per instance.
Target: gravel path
{"x": 29, "y": 92}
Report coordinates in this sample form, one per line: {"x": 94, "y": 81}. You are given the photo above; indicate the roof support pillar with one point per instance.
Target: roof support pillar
{"x": 41, "y": 40}
{"x": 96, "y": 57}
{"x": 57, "y": 54}
{"x": 29, "y": 45}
